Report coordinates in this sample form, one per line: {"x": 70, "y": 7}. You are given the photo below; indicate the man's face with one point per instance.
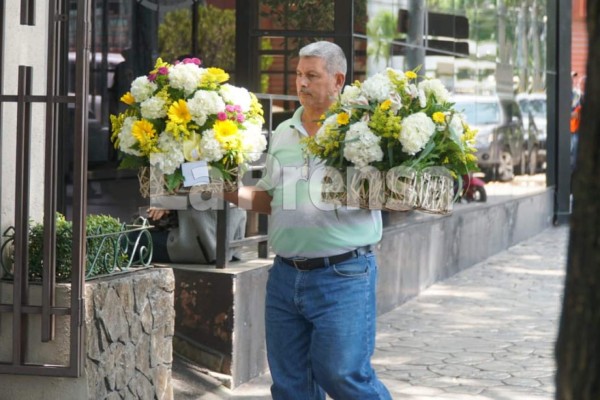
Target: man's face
{"x": 317, "y": 89}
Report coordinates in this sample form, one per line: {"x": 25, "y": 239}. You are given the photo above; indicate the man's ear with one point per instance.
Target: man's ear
{"x": 339, "y": 81}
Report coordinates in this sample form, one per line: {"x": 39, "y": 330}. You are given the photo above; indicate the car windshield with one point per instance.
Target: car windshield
{"x": 537, "y": 107}
{"x": 480, "y": 113}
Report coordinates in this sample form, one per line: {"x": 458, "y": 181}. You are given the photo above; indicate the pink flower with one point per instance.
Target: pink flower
{"x": 192, "y": 61}
{"x": 152, "y": 77}
{"x": 229, "y": 108}
{"x": 163, "y": 70}
{"x": 237, "y": 108}
{"x": 221, "y": 116}
{"x": 240, "y": 118}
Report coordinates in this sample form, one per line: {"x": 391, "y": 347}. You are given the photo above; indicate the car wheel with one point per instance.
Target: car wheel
{"x": 533, "y": 161}
{"x": 505, "y": 168}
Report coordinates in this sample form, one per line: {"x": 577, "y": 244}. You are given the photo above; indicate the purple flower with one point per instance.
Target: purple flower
{"x": 152, "y": 77}
{"x": 221, "y": 116}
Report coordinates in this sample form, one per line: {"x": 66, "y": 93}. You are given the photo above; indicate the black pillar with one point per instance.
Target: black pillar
{"x": 344, "y": 33}
{"x": 559, "y": 92}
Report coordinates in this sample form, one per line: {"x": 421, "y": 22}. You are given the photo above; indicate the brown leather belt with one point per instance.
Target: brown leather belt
{"x": 307, "y": 264}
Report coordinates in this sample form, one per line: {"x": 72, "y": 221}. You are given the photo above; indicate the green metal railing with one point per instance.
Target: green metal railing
{"x": 107, "y": 253}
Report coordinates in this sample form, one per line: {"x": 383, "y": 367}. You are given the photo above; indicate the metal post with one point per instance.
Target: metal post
{"x": 558, "y": 171}
{"x": 222, "y": 236}
{"x": 415, "y": 53}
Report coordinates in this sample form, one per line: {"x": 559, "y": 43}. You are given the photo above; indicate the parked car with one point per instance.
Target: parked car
{"x": 533, "y": 107}
{"x": 501, "y": 140}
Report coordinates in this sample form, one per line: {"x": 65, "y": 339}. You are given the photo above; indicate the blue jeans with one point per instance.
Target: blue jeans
{"x": 320, "y": 331}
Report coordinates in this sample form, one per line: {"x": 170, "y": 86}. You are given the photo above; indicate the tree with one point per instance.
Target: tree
{"x": 216, "y": 36}
{"x": 578, "y": 345}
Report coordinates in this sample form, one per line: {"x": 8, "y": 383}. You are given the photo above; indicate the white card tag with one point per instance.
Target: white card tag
{"x": 195, "y": 173}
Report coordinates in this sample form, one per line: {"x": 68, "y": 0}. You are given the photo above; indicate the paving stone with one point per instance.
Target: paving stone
{"x": 486, "y": 333}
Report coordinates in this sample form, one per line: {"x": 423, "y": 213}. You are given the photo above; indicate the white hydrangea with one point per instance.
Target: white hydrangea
{"x": 254, "y": 142}
{"x": 142, "y": 88}
{"x": 350, "y": 94}
{"x": 153, "y": 108}
{"x": 456, "y": 127}
{"x": 436, "y": 88}
{"x": 361, "y": 145}
{"x": 203, "y": 104}
{"x": 126, "y": 139}
{"x": 415, "y": 132}
{"x": 211, "y": 149}
{"x": 236, "y": 95}
{"x": 185, "y": 77}
{"x": 170, "y": 156}
{"x": 378, "y": 87}
{"x": 329, "y": 123}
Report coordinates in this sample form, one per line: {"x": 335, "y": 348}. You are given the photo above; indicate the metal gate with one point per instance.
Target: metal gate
{"x": 56, "y": 101}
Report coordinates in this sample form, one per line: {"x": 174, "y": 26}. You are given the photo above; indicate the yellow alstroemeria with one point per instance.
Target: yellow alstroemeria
{"x": 179, "y": 112}
{"x": 145, "y": 134}
{"x": 410, "y": 75}
{"x": 159, "y": 64}
{"x": 438, "y": 117}
{"x": 214, "y": 75}
{"x": 343, "y": 118}
{"x": 386, "y": 105}
{"x": 128, "y": 98}
{"x": 191, "y": 148}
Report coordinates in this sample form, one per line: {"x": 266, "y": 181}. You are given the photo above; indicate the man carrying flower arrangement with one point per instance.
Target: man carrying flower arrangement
{"x": 320, "y": 306}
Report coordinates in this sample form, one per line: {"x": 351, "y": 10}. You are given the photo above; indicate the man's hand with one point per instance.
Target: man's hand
{"x": 157, "y": 213}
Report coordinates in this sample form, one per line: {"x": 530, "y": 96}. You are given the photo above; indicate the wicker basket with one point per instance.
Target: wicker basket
{"x": 436, "y": 190}
{"x": 152, "y": 183}
{"x": 402, "y": 192}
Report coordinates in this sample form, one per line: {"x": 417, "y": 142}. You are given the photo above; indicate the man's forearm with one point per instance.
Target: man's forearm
{"x": 250, "y": 198}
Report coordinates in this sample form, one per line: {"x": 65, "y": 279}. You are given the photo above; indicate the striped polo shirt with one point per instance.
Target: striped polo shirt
{"x": 301, "y": 225}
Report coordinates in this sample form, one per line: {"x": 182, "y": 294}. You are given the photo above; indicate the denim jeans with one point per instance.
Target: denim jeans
{"x": 320, "y": 331}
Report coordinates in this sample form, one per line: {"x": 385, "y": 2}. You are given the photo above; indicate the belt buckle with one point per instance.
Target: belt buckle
{"x": 301, "y": 259}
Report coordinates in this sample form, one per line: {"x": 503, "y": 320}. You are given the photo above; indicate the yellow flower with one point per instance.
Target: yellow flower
{"x": 191, "y": 148}
{"x": 438, "y": 117}
{"x": 214, "y": 75}
{"x": 145, "y": 134}
{"x": 386, "y": 105}
{"x": 159, "y": 63}
{"x": 179, "y": 112}
{"x": 343, "y": 118}
{"x": 128, "y": 98}
{"x": 226, "y": 132}
{"x": 471, "y": 157}
{"x": 410, "y": 75}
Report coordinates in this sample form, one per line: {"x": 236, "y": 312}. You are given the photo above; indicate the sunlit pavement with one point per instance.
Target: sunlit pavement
{"x": 486, "y": 333}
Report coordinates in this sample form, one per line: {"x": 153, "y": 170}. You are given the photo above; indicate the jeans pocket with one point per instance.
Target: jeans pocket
{"x": 353, "y": 268}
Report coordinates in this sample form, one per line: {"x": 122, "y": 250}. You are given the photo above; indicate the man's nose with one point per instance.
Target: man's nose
{"x": 303, "y": 81}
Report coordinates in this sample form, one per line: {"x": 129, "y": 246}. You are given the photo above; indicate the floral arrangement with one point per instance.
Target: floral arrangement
{"x": 391, "y": 121}
{"x": 181, "y": 113}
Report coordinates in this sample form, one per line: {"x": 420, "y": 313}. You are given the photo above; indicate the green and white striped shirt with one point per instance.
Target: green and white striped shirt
{"x": 301, "y": 225}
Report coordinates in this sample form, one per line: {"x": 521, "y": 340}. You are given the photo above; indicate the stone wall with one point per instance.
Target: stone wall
{"x": 129, "y": 325}
{"x": 129, "y": 331}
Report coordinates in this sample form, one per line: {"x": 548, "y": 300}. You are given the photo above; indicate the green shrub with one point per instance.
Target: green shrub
{"x": 103, "y": 252}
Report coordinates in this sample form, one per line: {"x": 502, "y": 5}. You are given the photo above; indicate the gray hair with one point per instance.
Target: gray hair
{"x": 331, "y": 53}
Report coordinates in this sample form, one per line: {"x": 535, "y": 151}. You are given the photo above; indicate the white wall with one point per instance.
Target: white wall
{"x": 23, "y": 45}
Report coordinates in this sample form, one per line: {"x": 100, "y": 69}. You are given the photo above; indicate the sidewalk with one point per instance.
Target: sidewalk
{"x": 486, "y": 333}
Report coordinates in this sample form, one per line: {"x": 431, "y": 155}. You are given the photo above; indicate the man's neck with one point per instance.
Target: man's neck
{"x": 310, "y": 121}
